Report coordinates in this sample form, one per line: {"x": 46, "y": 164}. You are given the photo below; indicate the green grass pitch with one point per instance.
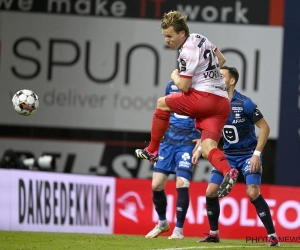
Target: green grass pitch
{"x": 62, "y": 241}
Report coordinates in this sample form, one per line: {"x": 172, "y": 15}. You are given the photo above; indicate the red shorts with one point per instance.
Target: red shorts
{"x": 210, "y": 111}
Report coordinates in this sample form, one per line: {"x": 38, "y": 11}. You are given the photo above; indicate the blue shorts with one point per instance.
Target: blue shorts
{"x": 242, "y": 163}
{"x": 175, "y": 159}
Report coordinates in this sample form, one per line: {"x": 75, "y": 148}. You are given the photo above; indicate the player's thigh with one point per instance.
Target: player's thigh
{"x": 166, "y": 160}
{"x": 214, "y": 118}
{"x": 216, "y": 177}
{"x": 250, "y": 178}
{"x": 186, "y": 103}
{"x": 184, "y": 165}
{"x": 211, "y": 127}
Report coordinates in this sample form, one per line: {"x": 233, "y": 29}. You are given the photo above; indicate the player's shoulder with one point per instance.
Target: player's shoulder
{"x": 197, "y": 38}
{"x": 244, "y": 100}
{"x": 240, "y": 96}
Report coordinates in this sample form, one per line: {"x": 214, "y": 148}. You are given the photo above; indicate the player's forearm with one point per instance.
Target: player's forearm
{"x": 182, "y": 85}
{"x": 222, "y": 62}
{"x": 221, "y": 58}
{"x": 262, "y": 138}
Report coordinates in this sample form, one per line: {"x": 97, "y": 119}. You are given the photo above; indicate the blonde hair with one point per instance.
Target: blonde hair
{"x": 177, "y": 20}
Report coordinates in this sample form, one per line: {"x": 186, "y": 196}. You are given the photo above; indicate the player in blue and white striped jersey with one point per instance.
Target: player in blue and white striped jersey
{"x": 174, "y": 157}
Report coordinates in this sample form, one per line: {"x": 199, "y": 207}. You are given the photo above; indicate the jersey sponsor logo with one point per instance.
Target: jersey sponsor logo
{"x": 201, "y": 42}
{"x": 237, "y": 111}
{"x": 237, "y": 115}
{"x": 238, "y": 108}
{"x": 186, "y": 156}
{"x": 230, "y": 134}
{"x": 236, "y": 121}
{"x": 184, "y": 164}
{"x": 182, "y": 65}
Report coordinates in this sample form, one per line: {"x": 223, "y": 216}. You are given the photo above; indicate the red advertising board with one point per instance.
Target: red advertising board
{"x": 135, "y": 213}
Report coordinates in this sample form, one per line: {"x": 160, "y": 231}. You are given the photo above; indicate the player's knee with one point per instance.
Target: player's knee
{"x": 204, "y": 154}
{"x": 182, "y": 182}
{"x": 157, "y": 186}
{"x": 161, "y": 102}
{"x": 205, "y": 150}
{"x": 207, "y": 145}
{"x": 253, "y": 191}
{"x": 212, "y": 190}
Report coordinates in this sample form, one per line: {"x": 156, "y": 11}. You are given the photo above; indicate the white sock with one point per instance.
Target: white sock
{"x": 214, "y": 232}
{"x": 162, "y": 222}
{"x": 274, "y": 234}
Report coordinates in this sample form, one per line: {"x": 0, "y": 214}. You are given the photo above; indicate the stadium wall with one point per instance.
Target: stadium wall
{"x": 98, "y": 75}
{"x": 52, "y": 202}
{"x": 89, "y": 76}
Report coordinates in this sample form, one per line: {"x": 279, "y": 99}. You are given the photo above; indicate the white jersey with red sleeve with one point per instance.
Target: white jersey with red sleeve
{"x": 198, "y": 61}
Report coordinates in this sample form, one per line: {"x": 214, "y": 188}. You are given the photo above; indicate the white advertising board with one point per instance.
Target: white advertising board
{"x": 51, "y": 202}
{"x": 107, "y": 73}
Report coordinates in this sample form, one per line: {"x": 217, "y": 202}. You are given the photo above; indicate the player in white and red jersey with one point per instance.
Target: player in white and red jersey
{"x": 204, "y": 96}
{"x": 198, "y": 62}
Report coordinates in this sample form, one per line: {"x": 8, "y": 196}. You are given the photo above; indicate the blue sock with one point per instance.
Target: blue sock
{"x": 213, "y": 212}
{"x": 263, "y": 212}
{"x": 182, "y": 205}
{"x": 160, "y": 201}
